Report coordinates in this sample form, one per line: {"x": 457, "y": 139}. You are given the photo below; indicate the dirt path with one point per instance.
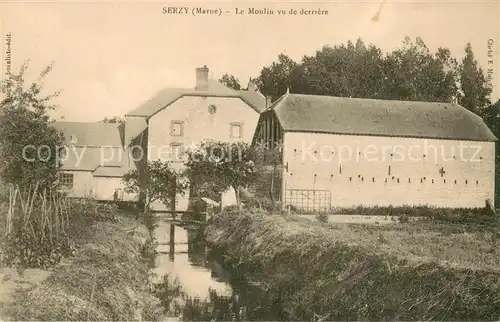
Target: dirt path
{"x": 10, "y": 281}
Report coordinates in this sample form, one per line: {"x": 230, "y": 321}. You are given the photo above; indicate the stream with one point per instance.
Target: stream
{"x": 209, "y": 291}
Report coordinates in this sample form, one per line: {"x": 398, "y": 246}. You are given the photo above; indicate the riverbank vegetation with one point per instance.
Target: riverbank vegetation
{"x": 106, "y": 280}
{"x": 96, "y": 256}
{"x": 406, "y": 271}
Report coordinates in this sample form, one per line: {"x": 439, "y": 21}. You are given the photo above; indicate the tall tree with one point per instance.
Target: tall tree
{"x": 343, "y": 70}
{"x": 30, "y": 148}
{"x": 219, "y": 166}
{"x": 230, "y": 81}
{"x": 411, "y": 72}
{"x": 414, "y": 73}
{"x": 491, "y": 116}
{"x": 275, "y": 79}
{"x": 158, "y": 180}
{"x": 473, "y": 83}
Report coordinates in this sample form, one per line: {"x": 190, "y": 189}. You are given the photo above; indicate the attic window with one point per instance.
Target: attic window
{"x": 236, "y": 130}
{"x": 212, "y": 109}
{"x": 177, "y": 128}
{"x": 73, "y": 139}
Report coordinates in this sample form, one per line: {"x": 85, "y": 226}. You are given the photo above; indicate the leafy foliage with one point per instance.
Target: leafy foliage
{"x": 222, "y": 165}
{"x": 473, "y": 83}
{"x": 275, "y": 79}
{"x": 30, "y": 149}
{"x": 491, "y": 116}
{"x": 43, "y": 225}
{"x": 411, "y": 72}
{"x": 113, "y": 119}
{"x": 230, "y": 81}
{"x": 25, "y": 251}
{"x": 158, "y": 179}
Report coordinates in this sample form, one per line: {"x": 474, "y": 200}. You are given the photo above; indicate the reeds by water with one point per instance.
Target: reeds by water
{"x": 41, "y": 213}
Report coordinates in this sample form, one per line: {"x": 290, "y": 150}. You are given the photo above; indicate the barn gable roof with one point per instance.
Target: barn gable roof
{"x": 90, "y": 133}
{"x": 97, "y": 147}
{"x": 356, "y": 116}
{"x": 167, "y": 96}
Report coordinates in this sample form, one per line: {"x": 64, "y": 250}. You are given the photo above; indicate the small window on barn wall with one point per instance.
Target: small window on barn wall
{"x": 236, "y": 130}
{"x": 66, "y": 180}
{"x": 212, "y": 109}
{"x": 177, "y": 128}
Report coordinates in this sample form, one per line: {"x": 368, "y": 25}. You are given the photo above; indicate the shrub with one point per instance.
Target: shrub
{"x": 149, "y": 252}
{"x": 24, "y": 250}
{"x": 45, "y": 225}
{"x": 107, "y": 280}
{"x": 263, "y": 203}
{"x": 404, "y": 218}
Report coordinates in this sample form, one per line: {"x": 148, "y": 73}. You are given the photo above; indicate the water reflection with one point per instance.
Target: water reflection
{"x": 209, "y": 291}
{"x": 188, "y": 262}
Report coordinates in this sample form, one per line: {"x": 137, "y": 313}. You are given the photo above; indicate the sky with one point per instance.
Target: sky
{"x": 111, "y": 56}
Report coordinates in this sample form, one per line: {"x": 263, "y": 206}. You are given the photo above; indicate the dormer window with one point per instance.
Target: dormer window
{"x": 236, "y": 130}
{"x": 177, "y": 128}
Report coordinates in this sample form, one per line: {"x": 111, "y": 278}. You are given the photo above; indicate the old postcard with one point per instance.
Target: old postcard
{"x": 261, "y": 160}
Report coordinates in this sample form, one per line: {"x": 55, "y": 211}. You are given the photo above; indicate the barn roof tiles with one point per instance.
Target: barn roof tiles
{"x": 356, "y": 116}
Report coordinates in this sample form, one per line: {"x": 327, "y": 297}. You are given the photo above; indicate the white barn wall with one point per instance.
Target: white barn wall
{"x": 199, "y": 125}
{"x": 83, "y": 184}
{"x": 105, "y": 188}
{"x": 361, "y": 190}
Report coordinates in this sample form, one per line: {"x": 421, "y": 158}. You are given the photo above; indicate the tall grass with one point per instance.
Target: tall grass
{"x": 361, "y": 272}
{"x": 41, "y": 225}
{"x": 42, "y": 214}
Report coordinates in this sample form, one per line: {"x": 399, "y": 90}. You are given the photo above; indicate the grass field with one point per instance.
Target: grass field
{"x": 427, "y": 270}
{"x": 448, "y": 244}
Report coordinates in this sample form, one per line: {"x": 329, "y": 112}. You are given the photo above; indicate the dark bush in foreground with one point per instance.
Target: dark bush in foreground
{"x": 313, "y": 273}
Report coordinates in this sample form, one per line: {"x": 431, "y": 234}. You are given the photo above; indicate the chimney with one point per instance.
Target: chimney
{"x": 202, "y": 78}
{"x": 269, "y": 101}
{"x": 252, "y": 87}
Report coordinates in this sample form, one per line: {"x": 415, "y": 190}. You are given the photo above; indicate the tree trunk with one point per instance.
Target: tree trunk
{"x": 172, "y": 225}
{"x": 271, "y": 189}
{"x": 237, "y": 194}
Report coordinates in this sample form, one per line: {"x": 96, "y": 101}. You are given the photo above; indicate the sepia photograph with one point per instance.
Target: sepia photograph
{"x": 250, "y": 161}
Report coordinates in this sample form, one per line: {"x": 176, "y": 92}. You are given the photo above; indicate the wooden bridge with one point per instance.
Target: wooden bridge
{"x": 176, "y": 217}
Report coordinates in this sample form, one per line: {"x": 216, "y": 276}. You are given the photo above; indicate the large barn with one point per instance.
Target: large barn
{"x": 346, "y": 152}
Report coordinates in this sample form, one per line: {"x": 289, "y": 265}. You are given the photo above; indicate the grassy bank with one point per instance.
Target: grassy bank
{"x": 106, "y": 279}
{"x": 311, "y": 271}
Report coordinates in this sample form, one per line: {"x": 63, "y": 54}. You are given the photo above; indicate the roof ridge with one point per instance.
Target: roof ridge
{"x": 329, "y": 114}
{"x": 374, "y": 99}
